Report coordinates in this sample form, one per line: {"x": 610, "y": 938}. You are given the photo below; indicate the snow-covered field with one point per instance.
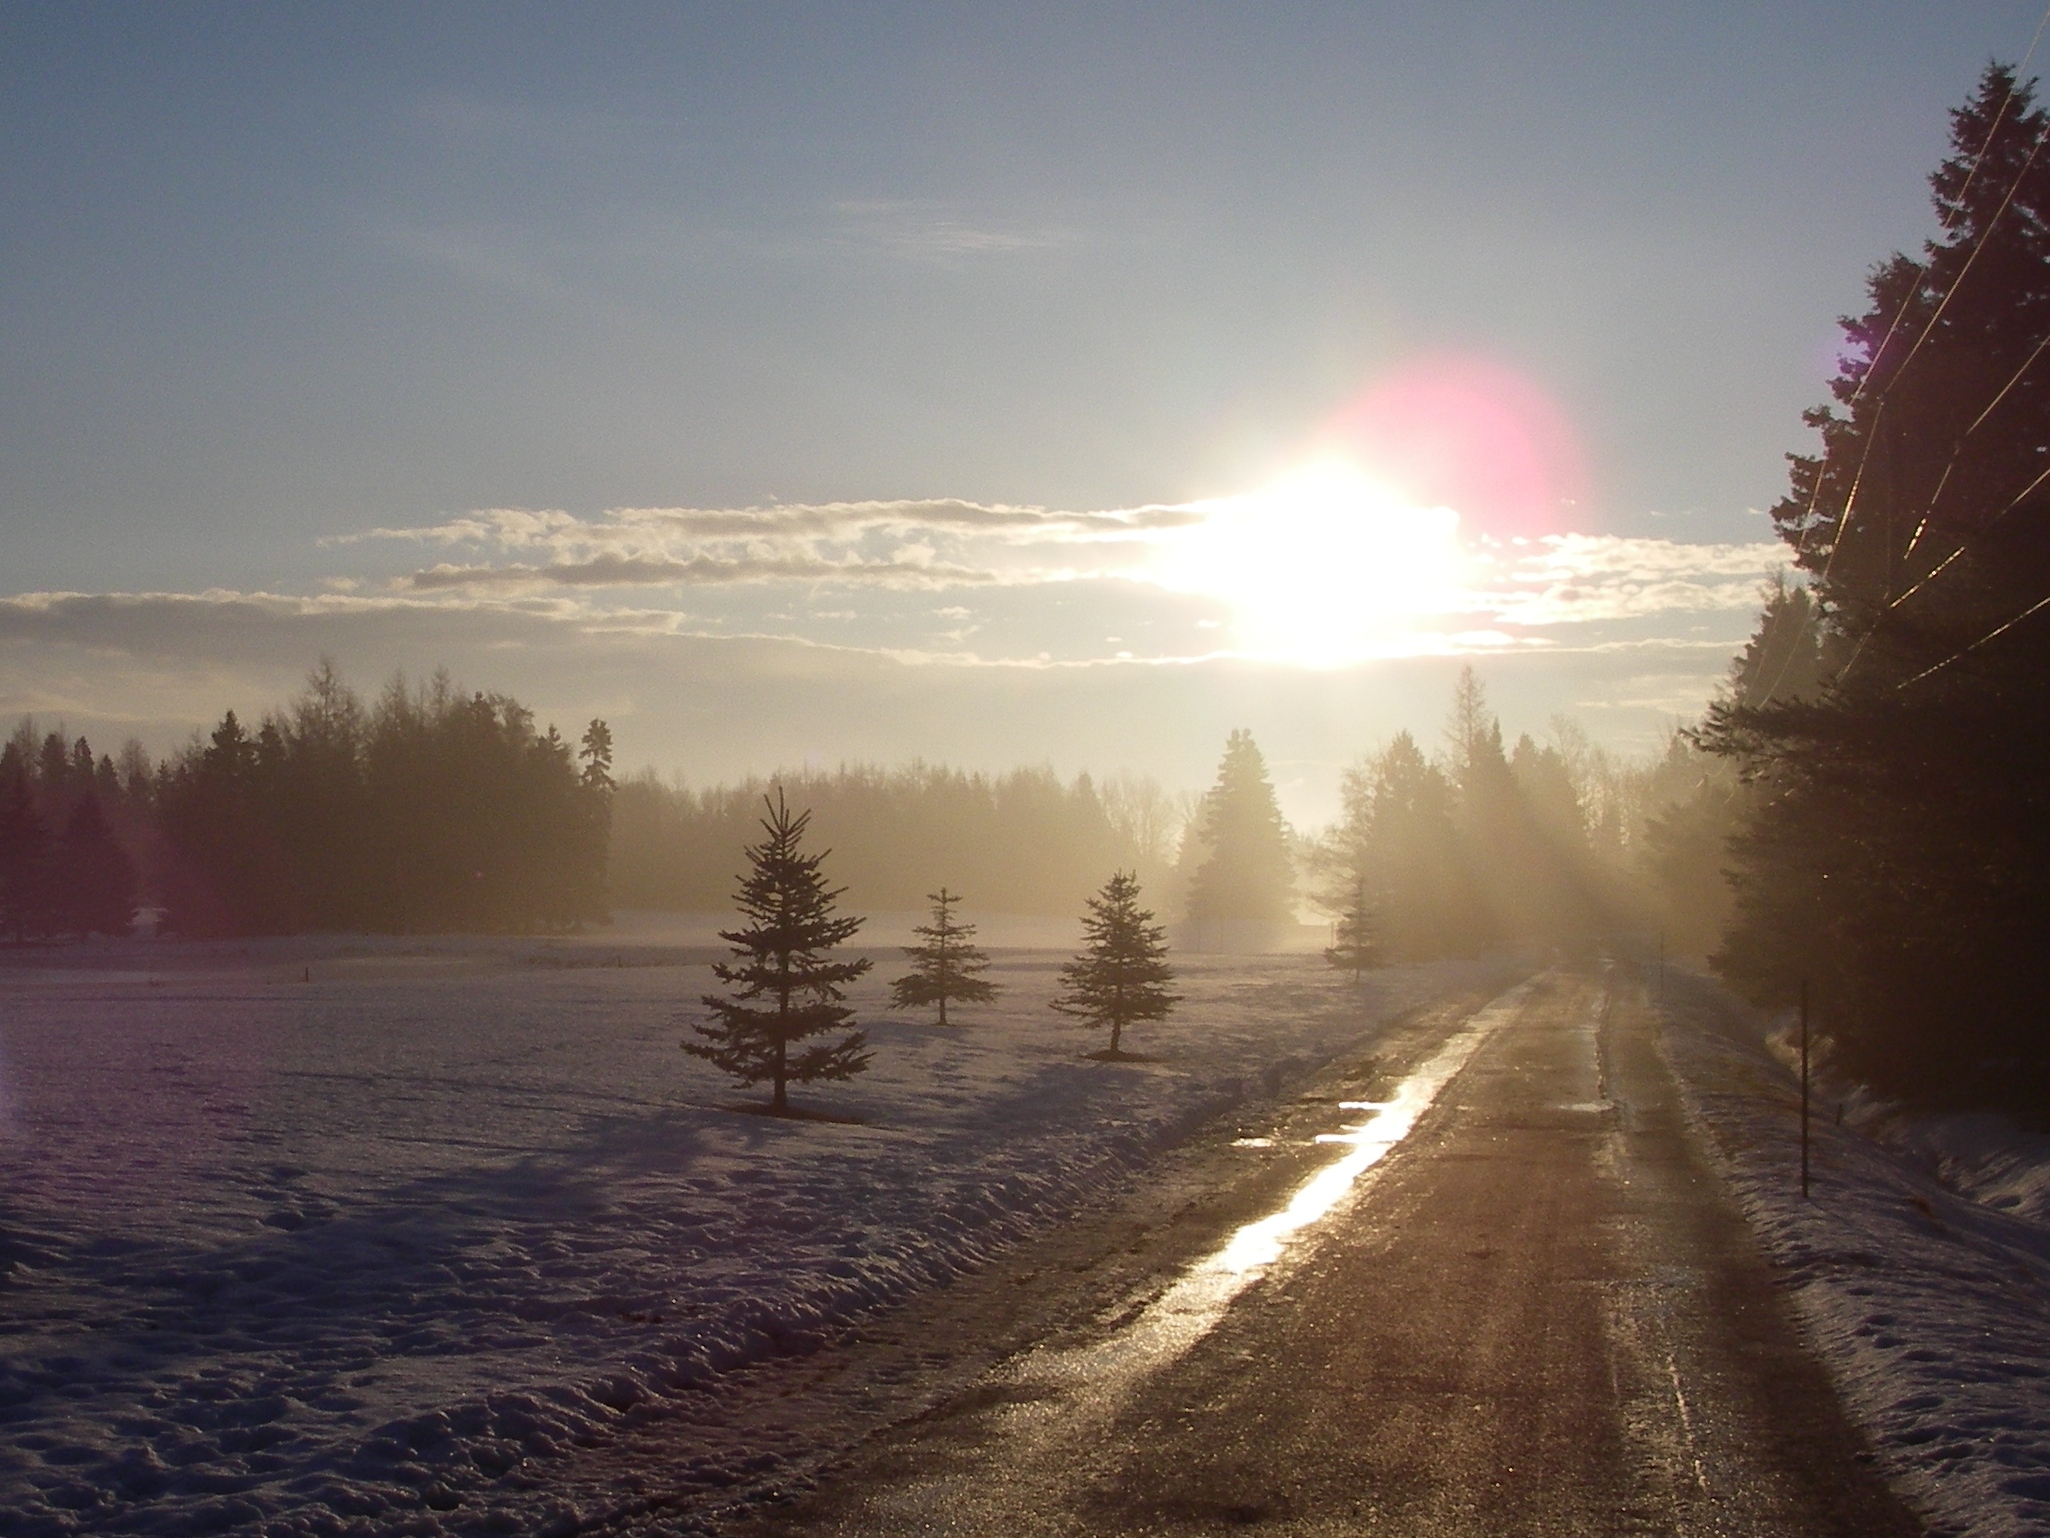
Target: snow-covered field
{"x": 377, "y": 1238}
{"x": 1920, "y": 1264}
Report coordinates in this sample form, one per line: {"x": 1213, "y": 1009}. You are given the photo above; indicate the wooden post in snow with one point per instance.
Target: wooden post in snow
{"x": 1804, "y": 1088}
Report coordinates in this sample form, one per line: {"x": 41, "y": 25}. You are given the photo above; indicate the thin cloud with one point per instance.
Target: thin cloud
{"x": 1647, "y": 559}
{"x": 509, "y": 527}
{"x": 936, "y": 234}
{"x": 612, "y": 570}
{"x": 521, "y": 528}
{"x": 1582, "y": 579}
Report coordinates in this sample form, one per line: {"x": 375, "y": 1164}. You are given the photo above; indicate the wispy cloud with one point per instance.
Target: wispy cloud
{"x": 615, "y": 570}
{"x": 1487, "y": 594}
{"x": 524, "y": 528}
{"x": 937, "y": 233}
{"x": 1580, "y": 579}
{"x": 931, "y": 544}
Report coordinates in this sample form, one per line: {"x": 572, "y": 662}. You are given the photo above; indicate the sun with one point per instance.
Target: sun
{"x": 1323, "y": 567}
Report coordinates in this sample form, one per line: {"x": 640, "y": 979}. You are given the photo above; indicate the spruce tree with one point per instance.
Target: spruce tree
{"x": 945, "y": 966}
{"x": 1247, "y": 876}
{"x": 1121, "y": 974}
{"x": 781, "y": 960}
{"x": 1892, "y": 724}
{"x": 1356, "y": 948}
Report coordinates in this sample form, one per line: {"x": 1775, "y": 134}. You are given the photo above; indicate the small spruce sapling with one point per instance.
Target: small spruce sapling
{"x": 1357, "y": 948}
{"x": 781, "y": 960}
{"x": 1121, "y": 974}
{"x": 945, "y": 965}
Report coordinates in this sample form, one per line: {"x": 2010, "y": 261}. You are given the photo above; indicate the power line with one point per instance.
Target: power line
{"x": 1929, "y": 328}
{"x": 1948, "y": 222}
{"x": 1940, "y": 567}
{"x": 1957, "y": 452}
{"x": 1992, "y": 635}
{"x": 1901, "y": 313}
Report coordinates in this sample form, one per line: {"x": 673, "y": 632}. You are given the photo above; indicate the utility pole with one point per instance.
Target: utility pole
{"x": 1804, "y": 1088}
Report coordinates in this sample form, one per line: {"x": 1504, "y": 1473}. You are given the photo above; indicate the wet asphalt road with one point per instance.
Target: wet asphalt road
{"x": 1541, "y": 1316}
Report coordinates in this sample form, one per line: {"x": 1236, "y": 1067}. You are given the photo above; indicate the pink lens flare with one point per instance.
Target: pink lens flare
{"x": 1472, "y": 435}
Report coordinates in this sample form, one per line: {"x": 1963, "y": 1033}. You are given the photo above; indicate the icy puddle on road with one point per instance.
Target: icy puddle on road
{"x": 1042, "y": 1421}
{"x": 1191, "y": 1307}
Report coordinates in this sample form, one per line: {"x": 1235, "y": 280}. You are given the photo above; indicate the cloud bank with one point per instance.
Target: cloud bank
{"x": 936, "y": 545}
{"x": 728, "y": 640}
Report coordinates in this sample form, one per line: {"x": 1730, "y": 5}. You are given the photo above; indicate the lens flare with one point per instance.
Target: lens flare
{"x": 1470, "y": 434}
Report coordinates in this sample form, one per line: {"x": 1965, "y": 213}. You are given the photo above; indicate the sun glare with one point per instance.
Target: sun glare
{"x": 1325, "y": 566}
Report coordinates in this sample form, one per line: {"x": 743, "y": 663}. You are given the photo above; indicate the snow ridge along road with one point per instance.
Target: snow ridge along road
{"x": 1542, "y": 1315}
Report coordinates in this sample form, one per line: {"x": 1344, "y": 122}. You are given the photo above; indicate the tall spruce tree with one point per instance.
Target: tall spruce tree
{"x": 945, "y": 964}
{"x": 1896, "y": 855}
{"x": 1121, "y": 975}
{"x": 1245, "y": 883}
{"x": 785, "y": 988}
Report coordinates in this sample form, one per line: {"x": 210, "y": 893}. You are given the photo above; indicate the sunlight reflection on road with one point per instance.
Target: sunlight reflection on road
{"x": 1189, "y": 1309}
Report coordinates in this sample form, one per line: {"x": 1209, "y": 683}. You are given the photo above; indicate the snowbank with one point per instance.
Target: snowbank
{"x": 1920, "y": 1265}
{"x": 374, "y": 1238}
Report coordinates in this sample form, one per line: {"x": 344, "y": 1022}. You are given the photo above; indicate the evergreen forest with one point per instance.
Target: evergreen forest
{"x": 430, "y": 809}
{"x": 1023, "y": 842}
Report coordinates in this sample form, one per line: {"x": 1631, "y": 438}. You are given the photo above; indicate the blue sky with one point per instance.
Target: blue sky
{"x": 275, "y": 278}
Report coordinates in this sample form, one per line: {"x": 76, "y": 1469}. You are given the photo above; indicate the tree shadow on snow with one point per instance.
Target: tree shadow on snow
{"x": 422, "y": 1267}
{"x": 793, "y": 1113}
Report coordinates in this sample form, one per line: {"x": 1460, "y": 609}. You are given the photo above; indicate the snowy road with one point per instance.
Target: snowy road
{"x": 1542, "y": 1314}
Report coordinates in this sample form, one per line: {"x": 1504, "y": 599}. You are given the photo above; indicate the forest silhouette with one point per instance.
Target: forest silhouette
{"x": 430, "y": 810}
{"x": 436, "y": 809}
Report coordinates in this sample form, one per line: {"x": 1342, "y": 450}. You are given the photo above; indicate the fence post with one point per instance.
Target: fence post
{"x": 1804, "y": 1088}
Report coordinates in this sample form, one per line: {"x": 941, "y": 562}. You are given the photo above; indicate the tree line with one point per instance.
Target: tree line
{"x": 434, "y": 808}
{"x": 1025, "y": 841}
{"x": 430, "y": 809}
{"x": 67, "y": 821}
{"x": 1479, "y": 844}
